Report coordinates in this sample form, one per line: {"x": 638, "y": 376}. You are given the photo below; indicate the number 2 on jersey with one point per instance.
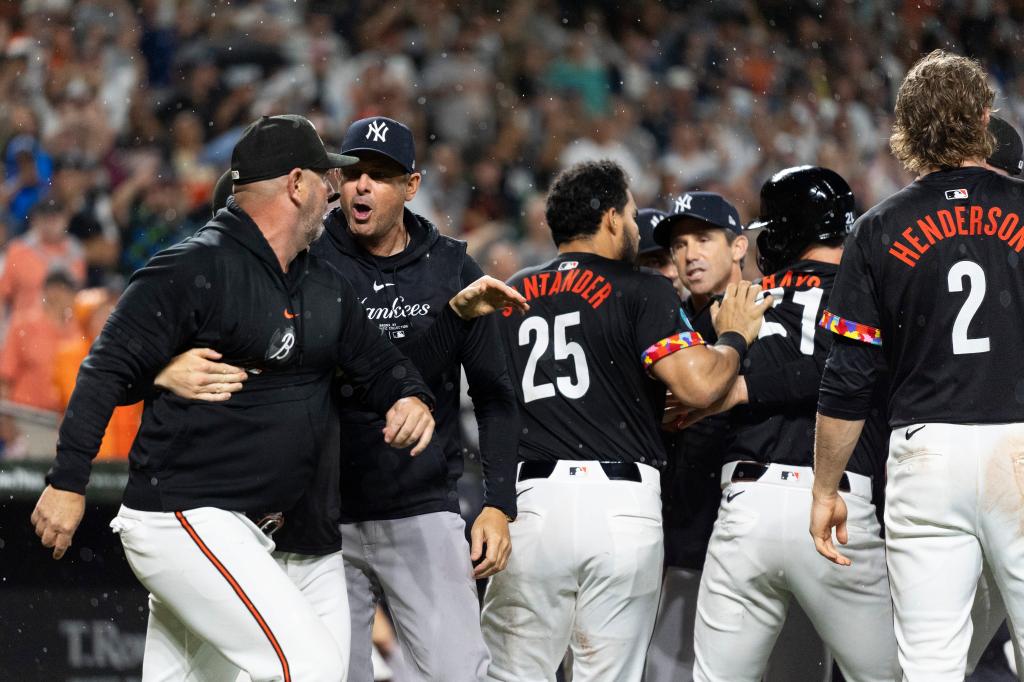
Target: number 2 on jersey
{"x": 563, "y": 349}
{"x": 973, "y": 272}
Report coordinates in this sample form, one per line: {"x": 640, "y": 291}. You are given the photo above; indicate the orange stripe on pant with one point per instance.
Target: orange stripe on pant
{"x": 238, "y": 590}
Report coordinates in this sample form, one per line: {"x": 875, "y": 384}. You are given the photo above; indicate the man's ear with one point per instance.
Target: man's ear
{"x": 739, "y": 248}
{"x": 612, "y": 220}
{"x": 412, "y": 186}
{"x": 296, "y": 186}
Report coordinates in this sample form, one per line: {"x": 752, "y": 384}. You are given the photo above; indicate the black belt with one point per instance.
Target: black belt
{"x": 615, "y": 471}
{"x": 752, "y": 471}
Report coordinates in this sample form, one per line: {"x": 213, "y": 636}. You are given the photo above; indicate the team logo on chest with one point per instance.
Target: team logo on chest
{"x": 281, "y": 344}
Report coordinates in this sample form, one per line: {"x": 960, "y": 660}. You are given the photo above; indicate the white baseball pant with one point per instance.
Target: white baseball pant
{"x": 799, "y": 653}
{"x": 955, "y": 498}
{"x": 585, "y": 573}
{"x": 761, "y": 556}
{"x": 217, "y": 593}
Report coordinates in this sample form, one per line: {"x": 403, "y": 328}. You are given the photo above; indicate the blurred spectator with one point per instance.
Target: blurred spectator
{"x": 27, "y": 169}
{"x": 90, "y": 312}
{"x": 150, "y": 208}
{"x": 537, "y": 246}
{"x": 76, "y": 185}
{"x": 45, "y": 248}
{"x": 30, "y": 348}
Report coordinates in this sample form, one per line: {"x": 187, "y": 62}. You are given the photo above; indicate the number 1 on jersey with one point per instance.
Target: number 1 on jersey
{"x": 809, "y": 300}
{"x": 563, "y": 349}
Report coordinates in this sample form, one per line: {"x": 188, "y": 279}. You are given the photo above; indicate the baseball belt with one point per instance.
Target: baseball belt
{"x": 615, "y": 471}
{"x": 752, "y": 471}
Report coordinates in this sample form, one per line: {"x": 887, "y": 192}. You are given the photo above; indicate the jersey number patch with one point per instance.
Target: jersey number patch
{"x": 810, "y": 301}
{"x": 976, "y": 276}
{"x": 537, "y": 327}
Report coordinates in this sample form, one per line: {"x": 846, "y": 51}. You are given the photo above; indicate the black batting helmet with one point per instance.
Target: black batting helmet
{"x": 800, "y": 206}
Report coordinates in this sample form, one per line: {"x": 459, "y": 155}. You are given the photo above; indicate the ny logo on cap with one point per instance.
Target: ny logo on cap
{"x": 683, "y": 203}
{"x": 655, "y": 219}
{"x": 379, "y": 130}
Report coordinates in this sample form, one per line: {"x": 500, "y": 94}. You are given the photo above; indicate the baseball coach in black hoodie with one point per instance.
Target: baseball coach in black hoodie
{"x": 245, "y": 286}
{"x": 403, "y": 537}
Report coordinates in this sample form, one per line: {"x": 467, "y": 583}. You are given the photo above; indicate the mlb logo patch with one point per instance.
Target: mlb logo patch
{"x": 953, "y": 194}
{"x": 398, "y": 334}
{"x": 568, "y": 265}
{"x": 577, "y": 471}
{"x": 787, "y": 475}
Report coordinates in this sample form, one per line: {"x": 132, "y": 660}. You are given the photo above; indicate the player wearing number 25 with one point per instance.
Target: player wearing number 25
{"x": 947, "y": 321}
{"x": 590, "y": 364}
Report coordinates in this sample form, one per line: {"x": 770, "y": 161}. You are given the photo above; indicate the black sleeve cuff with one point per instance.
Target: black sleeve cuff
{"x": 71, "y": 477}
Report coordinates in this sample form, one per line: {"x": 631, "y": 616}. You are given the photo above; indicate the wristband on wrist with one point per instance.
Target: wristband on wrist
{"x": 735, "y": 341}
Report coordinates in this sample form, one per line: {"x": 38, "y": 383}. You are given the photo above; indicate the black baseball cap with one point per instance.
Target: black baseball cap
{"x": 273, "y": 145}
{"x": 707, "y": 207}
{"x": 647, "y": 219}
{"x": 1009, "y": 151}
{"x": 384, "y": 136}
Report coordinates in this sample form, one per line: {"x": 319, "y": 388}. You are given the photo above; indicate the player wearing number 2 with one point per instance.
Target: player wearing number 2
{"x": 590, "y": 364}
{"x": 759, "y": 560}
{"x": 932, "y": 283}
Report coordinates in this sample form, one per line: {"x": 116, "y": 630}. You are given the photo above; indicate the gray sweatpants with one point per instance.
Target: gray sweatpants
{"x": 420, "y": 567}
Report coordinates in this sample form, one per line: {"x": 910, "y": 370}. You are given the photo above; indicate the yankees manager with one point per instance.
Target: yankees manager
{"x": 245, "y": 285}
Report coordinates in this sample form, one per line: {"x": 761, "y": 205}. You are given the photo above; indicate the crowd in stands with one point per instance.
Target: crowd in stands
{"x": 117, "y": 117}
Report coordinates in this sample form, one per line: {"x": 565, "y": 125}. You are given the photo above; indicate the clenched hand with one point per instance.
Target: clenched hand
{"x": 409, "y": 423}
{"x": 491, "y": 530}
{"x": 56, "y": 518}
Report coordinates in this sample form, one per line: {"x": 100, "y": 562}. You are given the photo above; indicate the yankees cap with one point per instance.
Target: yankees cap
{"x": 707, "y": 207}
{"x": 273, "y": 145}
{"x": 647, "y": 219}
{"x": 382, "y": 135}
{"x": 1009, "y": 151}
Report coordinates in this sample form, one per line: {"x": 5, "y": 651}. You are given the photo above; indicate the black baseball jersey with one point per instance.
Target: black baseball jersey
{"x": 933, "y": 276}
{"x": 579, "y": 358}
{"x": 783, "y": 370}
{"x": 690, "y": 488}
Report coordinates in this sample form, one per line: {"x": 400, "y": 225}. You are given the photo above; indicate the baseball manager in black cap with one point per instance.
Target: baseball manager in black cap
{"x": 1008, "y": 156}
{"x": 206, "y": 480}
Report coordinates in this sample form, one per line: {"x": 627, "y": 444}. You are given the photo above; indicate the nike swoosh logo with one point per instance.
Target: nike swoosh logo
{"x": 732, "y": 496}
{"x": 911, "y": 432}
{"x": 288, "y": 315}
{"x": 378, "y": 287}
{"x": 524, "y": 491}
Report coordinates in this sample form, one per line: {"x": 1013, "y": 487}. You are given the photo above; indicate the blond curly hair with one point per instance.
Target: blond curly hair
{"x": 940, "y": 113}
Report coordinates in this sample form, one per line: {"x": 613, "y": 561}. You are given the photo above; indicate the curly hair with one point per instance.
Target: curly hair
{"x": 940, "y": 113}
{"x": 580, "y": 195}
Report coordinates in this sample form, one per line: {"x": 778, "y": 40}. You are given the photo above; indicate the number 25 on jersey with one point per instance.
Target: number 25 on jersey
{"x": 536, "y": 330}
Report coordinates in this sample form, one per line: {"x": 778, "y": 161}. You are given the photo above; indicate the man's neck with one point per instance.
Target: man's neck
{"x": 596, "y": 246}
{"x": 699, "y": 301}
{"x": 822, "y": 254}
{"x": 392, "y": 242}
{"x": 273, "y": 225}
{"x": 966, "y": 163}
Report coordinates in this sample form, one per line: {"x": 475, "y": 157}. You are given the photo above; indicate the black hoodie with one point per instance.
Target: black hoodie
{"x": 406, "y": 297}
{"x": 224, "y": 289}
